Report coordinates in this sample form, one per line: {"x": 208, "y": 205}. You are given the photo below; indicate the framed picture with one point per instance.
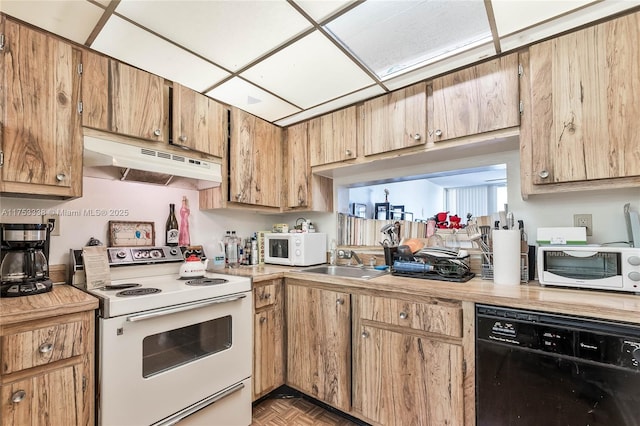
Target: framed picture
{"x": 129, "y": 234}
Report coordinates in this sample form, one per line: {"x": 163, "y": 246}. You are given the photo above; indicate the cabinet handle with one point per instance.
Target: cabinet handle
{"x": 438, "y": 132}
{"x": 416, "y": 136}
{"x": 157, "y": 132}
{"x": 263, "y": 320}
{"x": 543, "y": 174}
{"x": 18, "y": 396}
{"x": 365, "y": 334}
{"x": 183, "y": 138}
{"x": 404, "y": 315}
{"x": 265, "y": 296}
{"x": 340, "y": 302}
{"x": 348, "y": 153}
{"x": 60, "y": 177}
{"x": 45, "y": 348}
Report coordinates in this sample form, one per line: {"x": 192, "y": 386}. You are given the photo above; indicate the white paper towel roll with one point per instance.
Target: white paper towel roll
{"x": 506, "y": 256}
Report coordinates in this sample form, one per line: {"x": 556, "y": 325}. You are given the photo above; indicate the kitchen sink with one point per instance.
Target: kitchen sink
{"x": 345, "y": 271}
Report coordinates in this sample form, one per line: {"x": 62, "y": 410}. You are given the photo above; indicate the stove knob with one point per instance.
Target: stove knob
{"x": 121, "y": 254}
{"x": 173, "y": 251}
{"x": 634, "y": 260}
{"x": 156, "y": 253}
{"x": 636, "y": 355}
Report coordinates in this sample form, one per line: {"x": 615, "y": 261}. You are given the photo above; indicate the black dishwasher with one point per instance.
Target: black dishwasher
{"x": 535, "y": 368}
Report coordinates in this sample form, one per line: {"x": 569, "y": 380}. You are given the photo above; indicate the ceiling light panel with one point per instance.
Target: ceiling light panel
{"x": 73, "y": 20}
{"x": 229, "y": 33}
{"x": 309, "y": 72}
{"x": 320, "y": 10}
{"x": 391, "y": 36}
{"x": 252, "y": 99}
{"x": 512, "y": 16}
{"x": 133, "y": 45}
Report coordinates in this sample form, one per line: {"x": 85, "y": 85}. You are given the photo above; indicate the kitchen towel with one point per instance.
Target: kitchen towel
{"x": 506, "y": 256}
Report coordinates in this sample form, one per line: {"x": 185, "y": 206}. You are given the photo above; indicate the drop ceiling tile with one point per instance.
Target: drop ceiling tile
{"x": 344, "y": 101}
{"x": 247, "y": 97}
{"x": 320, "y": 10}
{"x": 593, "y": 12}
{"x": 71, "y": 19}
{"x": 133, "y": 45}
{"x": 309, "y": 72}
{"x": 393, "y": 36}
{"x": 229, "y": 33}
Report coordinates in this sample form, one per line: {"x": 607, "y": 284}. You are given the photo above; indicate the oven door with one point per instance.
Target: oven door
{"x": 600, "y": 269}
{"x": 156, "y": 363}
{"x": 278, "y": 249}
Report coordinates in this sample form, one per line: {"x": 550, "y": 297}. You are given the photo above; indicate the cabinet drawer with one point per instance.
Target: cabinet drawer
{"x": 265, "y": 295}
{"x": 41, "y": 346}
{"x": 437, "y": 317}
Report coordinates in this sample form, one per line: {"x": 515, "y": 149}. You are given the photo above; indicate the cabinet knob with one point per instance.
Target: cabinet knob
{"x": 18, "y": 396}
{"x": 543, "y": 174}
{"x": 348, "y": 153}
{"x": 263, "y": 320}
{"x": 404, "y": 315}
{"x": 266, "y": 296}
{"x": 60, "y": 177}
{"x": 45, "y": 348}
{"x": 340, "y": 302}
{"x": 365, "y": 334}
{"x": 183, "y": 138}
{"x": 416, "y": 136}
{"x": 157, "y": 132}
{"x": 438, "y": 132}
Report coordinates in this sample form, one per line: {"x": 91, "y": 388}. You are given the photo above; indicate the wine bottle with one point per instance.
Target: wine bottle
{"x": 172, "y": 227}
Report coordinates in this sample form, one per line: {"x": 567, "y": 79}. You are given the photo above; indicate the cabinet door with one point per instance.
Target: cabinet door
{"x": 41, "y": 129}
{"x": 318, "y": 341}
{"x": 56, "y": 396}
{"x": 268, "y": 368}
{"x": 404, "y": 379}
{"x": 395, "y": 121}
{"x": 254, "y": 160}
{"x": 199, "y": 122}
{"x": 584, "y": 94}
{"x": 477, "y": 99}
{"x": 297, "y": 164}
{"x": 332, "y": 137}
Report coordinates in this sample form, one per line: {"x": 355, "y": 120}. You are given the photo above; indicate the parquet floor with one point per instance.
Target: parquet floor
{"x": 294, "y": 412}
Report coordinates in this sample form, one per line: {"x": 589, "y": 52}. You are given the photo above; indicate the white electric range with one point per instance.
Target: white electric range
{"x": 183, "y": 343}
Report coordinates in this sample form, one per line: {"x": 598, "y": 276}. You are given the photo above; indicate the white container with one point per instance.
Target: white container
{"x": 506, "y": 256}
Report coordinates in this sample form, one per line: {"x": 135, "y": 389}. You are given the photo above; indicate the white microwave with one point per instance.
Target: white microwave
{"x": 295, "y": 249}
{"x": 594, "y": 267}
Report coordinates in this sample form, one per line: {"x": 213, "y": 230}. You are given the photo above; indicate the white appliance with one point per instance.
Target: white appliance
{"x": 171, "y": 350}
{"x": 593, "y": 267}
{"x": 295, "y": 248}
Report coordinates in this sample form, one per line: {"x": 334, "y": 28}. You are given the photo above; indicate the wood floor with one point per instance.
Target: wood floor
{"x": 294, "y": 412}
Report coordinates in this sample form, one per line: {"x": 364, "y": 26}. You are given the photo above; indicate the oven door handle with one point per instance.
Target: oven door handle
{"x": 184, "y": 307}
{"x": 181, "y": 415}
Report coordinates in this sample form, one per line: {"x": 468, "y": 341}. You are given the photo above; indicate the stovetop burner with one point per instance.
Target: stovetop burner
{"x": 207, "y": 281}
{"x": 138, "y": 291}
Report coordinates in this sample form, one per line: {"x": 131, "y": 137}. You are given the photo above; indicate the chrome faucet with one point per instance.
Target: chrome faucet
{"x": 355, "y": 256}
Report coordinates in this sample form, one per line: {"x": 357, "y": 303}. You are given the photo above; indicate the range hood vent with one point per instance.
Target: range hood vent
{"x": 147, "y": 165}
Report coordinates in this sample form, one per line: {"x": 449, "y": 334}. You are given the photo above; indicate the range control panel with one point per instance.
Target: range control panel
{"x": 143, "y": 255}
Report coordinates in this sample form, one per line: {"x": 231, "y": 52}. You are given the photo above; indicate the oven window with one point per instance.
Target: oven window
{"x": 279, "y": 248}
{"x": 170, "y": 349}
{"x": 598, "y": 266}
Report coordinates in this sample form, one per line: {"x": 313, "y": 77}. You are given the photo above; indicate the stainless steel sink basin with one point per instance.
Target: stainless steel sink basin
{"x": 345, "y": 271}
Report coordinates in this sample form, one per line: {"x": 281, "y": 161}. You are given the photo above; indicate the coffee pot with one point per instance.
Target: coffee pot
{"x": 24, "y": 269}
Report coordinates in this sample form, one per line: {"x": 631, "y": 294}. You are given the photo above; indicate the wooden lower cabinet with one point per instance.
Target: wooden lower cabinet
{"x": 319, "y": 343}
{"x": 268, "y": 361}
{"x": 47, "y": 371}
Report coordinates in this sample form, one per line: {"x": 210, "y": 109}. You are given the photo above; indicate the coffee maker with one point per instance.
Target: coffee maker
{"x": 24, "y": 250}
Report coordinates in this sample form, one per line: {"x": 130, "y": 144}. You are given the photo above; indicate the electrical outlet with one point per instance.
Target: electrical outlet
{"x": 56, "y": 223}
{"x": 583, "y": 220}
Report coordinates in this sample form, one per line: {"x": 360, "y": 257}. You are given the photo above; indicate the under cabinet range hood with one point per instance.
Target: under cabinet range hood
{"x": 110, "y": 159}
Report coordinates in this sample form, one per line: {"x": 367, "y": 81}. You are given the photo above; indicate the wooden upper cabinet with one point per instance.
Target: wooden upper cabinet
{"x": 477, "y": 99}
{"x": 122, "y": 99}
{"x": 396, "y": 120}
{"x": 303, "y": 190}
{"x": 332, "y": 137}
{"x": 41, "y": 129}
{"x": 584, "y": 94}
{"x": 254, "y": 160}
{"x": 199, "y": 122}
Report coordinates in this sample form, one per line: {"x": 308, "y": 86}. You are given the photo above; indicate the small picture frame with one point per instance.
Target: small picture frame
{"x": 131, "y": 234}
